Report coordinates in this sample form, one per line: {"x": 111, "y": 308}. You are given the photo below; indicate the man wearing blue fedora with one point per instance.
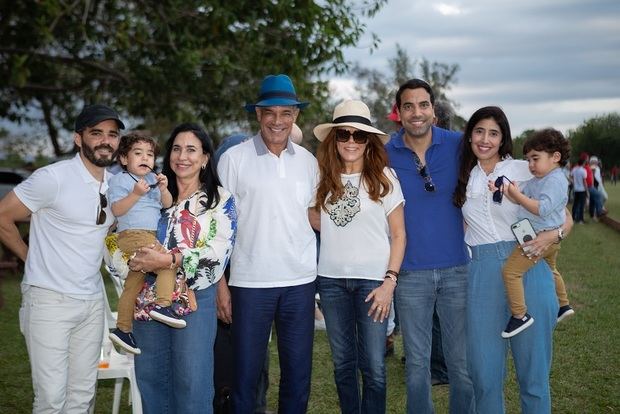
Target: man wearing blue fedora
{"x": 273, "y": 265}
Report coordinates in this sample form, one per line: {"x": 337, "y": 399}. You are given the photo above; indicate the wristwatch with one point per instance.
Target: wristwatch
{"x": 560, "y": 234}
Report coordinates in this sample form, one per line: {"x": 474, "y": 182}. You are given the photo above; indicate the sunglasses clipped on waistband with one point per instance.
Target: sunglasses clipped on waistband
{"x": 498, "y": 194}
{"x": 359, "y": 136}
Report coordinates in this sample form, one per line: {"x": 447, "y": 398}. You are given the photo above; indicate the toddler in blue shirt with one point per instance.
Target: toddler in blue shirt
{"x": 137, "y": 203}
{"x": 543, "y": 201}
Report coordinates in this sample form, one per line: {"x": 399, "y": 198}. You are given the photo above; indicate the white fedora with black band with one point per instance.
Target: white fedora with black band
{"x": 350, "y": 113}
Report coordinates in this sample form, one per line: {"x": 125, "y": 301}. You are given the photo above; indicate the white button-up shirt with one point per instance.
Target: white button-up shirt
{"x": 489, "y": 222}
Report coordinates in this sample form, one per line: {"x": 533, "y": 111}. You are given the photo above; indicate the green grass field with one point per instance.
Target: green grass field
{"x": 613, "y": 204}
{"x": 584, "y": 378}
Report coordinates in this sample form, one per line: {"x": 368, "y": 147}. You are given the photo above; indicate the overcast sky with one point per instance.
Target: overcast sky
{"x": 545, "y": 62}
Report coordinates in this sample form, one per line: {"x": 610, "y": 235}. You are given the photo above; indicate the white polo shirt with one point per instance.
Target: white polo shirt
{"x": 275, "y": 245}
{"x": 65, "y": 244}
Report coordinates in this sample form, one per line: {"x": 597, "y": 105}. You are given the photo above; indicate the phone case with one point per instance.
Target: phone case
{"x": 523, "y": 231}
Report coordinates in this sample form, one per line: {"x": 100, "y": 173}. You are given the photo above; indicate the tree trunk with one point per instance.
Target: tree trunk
{"x": 51, "y": 128}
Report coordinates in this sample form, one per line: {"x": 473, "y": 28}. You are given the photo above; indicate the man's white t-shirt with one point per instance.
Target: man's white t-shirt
{"x": 65, "y": 244}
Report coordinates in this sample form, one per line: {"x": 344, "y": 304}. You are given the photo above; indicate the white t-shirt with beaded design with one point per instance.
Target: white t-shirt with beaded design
{"x": 355, "y": 235}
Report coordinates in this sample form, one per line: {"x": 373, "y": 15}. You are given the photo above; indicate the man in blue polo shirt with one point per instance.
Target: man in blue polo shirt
{"x": 435, "y": 267}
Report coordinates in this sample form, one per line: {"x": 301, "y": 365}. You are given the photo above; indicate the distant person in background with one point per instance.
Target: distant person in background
{"x": 227, "y": 143}
{"x": 614, "y": 174}
{"x": 586, "y": 165}
{"x": 596, "y": 193}
{"x": 566, "y": 171}
{"x": 589, "y": 177}
{"x": 580, "y": 191}
{"x": 61, "y": 316}
{"x": 443, "y": 115}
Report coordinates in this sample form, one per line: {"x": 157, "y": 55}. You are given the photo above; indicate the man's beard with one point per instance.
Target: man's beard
{"x": 89, "y": 153}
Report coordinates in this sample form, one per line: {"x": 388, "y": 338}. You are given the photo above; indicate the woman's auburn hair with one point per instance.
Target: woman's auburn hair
{"x": 331, "y": 166}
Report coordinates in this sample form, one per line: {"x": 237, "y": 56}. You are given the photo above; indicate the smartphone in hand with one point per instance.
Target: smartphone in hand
{"x": 523, "y": 231}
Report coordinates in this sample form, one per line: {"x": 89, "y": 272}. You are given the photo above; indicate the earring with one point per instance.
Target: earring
{"x": 204, "y": 166}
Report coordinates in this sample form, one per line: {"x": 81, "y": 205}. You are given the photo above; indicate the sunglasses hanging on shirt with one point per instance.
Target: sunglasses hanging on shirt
{"x": 423, "y": 171}
{"x": 101, "y": 214}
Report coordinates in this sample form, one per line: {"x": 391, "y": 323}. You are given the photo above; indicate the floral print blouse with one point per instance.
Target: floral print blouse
{"x": 205, "y": 238}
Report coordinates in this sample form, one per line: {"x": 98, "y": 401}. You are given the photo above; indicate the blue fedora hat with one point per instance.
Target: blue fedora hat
{"x": 276, "y": 90}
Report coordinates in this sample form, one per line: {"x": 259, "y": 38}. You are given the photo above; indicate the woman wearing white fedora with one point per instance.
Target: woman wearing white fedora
{"x": 362, "y": 247}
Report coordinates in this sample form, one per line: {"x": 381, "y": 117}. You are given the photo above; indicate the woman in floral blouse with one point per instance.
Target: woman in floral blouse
{"x": 175, "y": 369}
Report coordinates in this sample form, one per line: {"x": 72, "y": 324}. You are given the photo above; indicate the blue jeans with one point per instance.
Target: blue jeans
{"x": 175, "y": 369}
{"x": 579, "y": 204}
{"x": 418, "y": 294}
{"x": 254, "y": 310}
{"x": 487, "y": 314}
{"x": 357, "y": 343}
{"x": 596, "y": 202}
{"x": 439, "y": 372}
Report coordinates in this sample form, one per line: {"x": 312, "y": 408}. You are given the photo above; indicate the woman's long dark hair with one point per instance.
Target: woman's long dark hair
{"x": 468, "y": 158}
{"x": 208, "y": 176}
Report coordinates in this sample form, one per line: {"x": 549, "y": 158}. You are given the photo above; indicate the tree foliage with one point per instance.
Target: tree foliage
{"x": 598, "y": 136}
{"x": 378, "y": 90}
{"x": 517, "y": 143}
{"x": 166, "y": 60}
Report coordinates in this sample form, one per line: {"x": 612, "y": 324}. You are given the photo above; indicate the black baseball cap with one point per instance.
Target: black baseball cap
{"x": 91, "y": 115}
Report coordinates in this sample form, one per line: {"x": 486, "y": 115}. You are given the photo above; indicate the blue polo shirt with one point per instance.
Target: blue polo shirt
{"x": 435, "y": 236}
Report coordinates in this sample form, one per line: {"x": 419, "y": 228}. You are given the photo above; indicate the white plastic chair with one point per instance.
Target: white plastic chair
{"x": 121, "y": 366}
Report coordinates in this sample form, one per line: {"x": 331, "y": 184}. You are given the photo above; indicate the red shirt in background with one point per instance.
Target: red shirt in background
{"x": 589, "y": 175}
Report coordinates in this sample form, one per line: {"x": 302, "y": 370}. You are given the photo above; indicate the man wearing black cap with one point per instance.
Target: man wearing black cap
{"x": 61, "y": 315}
